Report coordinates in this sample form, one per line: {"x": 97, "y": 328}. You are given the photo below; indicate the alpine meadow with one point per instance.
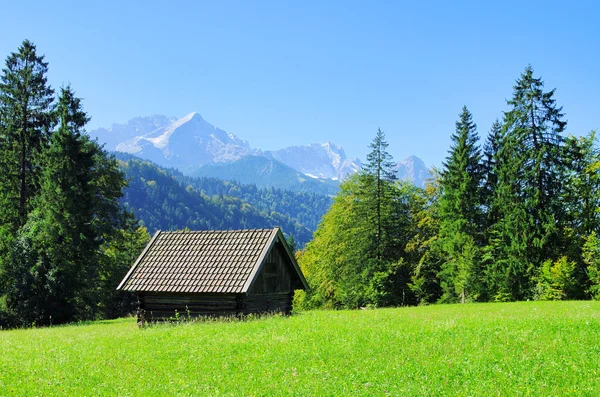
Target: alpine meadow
{"x": 442, "y": 289}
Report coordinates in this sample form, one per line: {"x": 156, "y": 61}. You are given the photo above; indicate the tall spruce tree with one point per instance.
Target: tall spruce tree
{"x": 527, "y": 197}
{"x": 25, "y": 122}
{"x": 460, "y": 209}
{"x": 377, "y": 178}
{"x": 25, "y": 113}
{"x": 388, "y": 206}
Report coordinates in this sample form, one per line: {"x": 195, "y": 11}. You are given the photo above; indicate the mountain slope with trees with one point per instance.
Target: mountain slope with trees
{"x": 160, "y": 201}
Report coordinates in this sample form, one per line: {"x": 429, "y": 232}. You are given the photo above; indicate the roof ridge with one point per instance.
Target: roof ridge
{"x": 219, "y": 230}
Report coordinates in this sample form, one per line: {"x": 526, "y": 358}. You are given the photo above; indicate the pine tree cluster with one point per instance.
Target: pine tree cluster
{"x": 64, "y": 237}
{"x": 516, "y": 220}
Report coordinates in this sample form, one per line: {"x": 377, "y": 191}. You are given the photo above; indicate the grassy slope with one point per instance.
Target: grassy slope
{"x": 486, "y": 349}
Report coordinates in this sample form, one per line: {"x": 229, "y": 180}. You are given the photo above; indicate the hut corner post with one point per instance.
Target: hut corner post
{"x": 141, "y": 312}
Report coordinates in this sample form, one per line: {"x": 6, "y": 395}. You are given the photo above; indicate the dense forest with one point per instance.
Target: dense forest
{"x": 305, "y": 208}
{"x": 516, "y": 219}
{"x": 65, "y": 240}
{"x": 165, "y": 199}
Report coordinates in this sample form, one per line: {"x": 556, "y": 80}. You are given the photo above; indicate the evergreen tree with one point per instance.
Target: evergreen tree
{"x": 530, "y": 182}
{"x": 25, "y": 120}
{"x": 460, "y": 209}
{"x": 26, "y": 117}
{"x": 387, "y": 206}
{"x": 377, "y": 179}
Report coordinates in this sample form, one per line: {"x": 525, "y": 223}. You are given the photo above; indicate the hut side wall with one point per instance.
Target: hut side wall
{"x": 156, "y": 305}
{"x": 264, "y": 303}
{"x": 164, "y": 306}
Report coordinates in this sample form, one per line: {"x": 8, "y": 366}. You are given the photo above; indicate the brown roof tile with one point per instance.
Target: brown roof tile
{"x": 199, "y": 261}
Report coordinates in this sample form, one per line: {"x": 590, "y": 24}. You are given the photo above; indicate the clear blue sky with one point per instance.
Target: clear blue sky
{"x": 279, "y": 73}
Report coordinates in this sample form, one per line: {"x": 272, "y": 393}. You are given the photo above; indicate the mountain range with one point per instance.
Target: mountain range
{"x": 197, "y": 148}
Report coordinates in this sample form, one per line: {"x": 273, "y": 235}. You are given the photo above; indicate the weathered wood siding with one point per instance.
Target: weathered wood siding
{"x": 274, "y": 276}
{"x": 266, "y": 303}
{"x": 164, "y": 305}
{"x": 274, "y": 286}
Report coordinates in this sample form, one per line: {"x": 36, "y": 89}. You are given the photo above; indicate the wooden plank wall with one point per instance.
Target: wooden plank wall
{"x": 164, "y": 306}
{"x": 157, "y": 307}
{"x": 266, "y": 303}
{"x": 275, "y": 275}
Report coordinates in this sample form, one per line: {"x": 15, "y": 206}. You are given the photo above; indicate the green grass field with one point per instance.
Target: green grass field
{"x": 529, "y": 348}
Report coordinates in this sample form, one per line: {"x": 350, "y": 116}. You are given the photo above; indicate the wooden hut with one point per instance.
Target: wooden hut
{"x": 214, "y": 273}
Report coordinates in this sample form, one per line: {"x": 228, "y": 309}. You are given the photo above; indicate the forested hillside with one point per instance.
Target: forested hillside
{"x": 515, "y": 220}
{"x": 304, "y": 208}
{"x": 164, "y": 199}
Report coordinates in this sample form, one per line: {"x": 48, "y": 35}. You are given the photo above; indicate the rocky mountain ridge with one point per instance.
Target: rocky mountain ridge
{"x": 190, "y": 143}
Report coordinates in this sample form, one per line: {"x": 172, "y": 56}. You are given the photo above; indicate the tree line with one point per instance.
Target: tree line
{"x": 516, "y": 219}
{"x": 65, "y": 240}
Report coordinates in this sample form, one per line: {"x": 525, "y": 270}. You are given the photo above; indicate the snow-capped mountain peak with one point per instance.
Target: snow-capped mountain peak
{"x": 190, "y": 142}
{"x": 162, "y": 140}
{"x": 413, "y": 169}
{"x": 322, "y": 160}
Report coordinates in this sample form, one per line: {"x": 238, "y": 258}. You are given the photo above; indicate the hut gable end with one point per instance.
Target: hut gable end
{"x": 275, "y": 275}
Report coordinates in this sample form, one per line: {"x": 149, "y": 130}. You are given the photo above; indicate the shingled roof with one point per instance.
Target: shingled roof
{"x": 220, "y": 261}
